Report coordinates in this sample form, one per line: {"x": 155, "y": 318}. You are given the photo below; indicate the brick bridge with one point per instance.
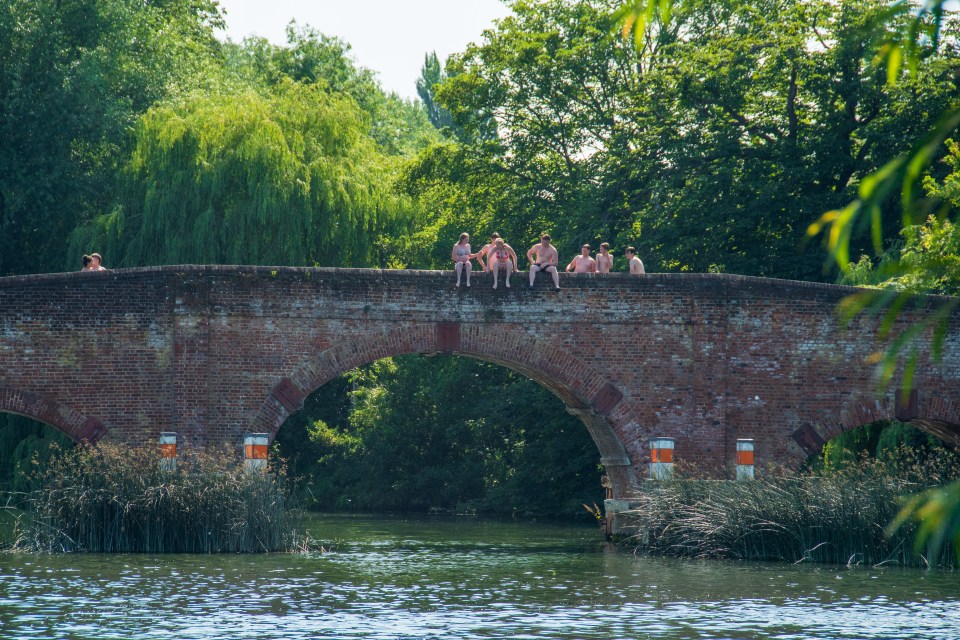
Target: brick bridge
{"x": 212, "y": 352}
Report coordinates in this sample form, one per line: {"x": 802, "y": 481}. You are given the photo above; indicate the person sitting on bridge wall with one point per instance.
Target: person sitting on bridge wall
{"x": 502, "y": 256}
{"x": 636, "y": 266}
{"x": 461, "y": 257}
{"x": 485, "y": 251}
{"x": 583, "y": 263}
{"x": 604, "y": 258}
{"x": 544, "y": 257}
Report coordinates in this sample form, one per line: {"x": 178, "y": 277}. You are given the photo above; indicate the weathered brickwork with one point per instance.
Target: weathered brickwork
{"x": 214, "y": 352}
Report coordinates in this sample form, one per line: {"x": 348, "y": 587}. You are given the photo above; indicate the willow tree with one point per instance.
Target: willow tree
{"x": 287, "y": 177}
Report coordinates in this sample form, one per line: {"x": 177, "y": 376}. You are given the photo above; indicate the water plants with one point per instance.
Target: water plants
{"x": 112, "y": 498}
{"x": 839, "y": 516}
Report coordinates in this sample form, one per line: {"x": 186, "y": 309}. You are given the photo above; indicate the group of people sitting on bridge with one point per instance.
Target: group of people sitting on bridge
{"x": 497, "y": 256}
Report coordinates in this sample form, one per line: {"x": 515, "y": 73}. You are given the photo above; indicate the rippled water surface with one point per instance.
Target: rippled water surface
{"x": 399, "y": 578}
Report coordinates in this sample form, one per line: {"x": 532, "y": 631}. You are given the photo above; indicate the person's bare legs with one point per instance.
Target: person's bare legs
{"x": 458, "y": 267}
{"x": 556, "y": 276}
{"x": 509, "y": 269}
{"x": 469, "y": 267}
{"x": 496, "y": 270}
{"x": 533, "y": 274}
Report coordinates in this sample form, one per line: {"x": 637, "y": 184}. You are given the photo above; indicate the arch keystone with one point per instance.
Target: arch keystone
{"x": 448, "y": 337}
{"x": 809, "y": 439}
{"x": 289, "y": 395}
{"x": 606, "y": 399}
{"x": 907, "y": 406}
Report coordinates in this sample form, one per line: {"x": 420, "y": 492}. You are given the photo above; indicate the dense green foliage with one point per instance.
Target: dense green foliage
{"x": 75, "y": 77}
{"x": 286, "y": 156}
{"x": 451, "y": 434}
{"x": 25, "y": 445}
{"x": 879, "y": 440}
{"x": 739, "y": 122}
{"x": 927, "y": 257}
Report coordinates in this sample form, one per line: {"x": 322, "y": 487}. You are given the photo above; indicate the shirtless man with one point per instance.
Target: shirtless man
{"x": 636, "y": 266}
{"x": 502, "y": 256}
{"x": 485, "y": 250}
{"x": 95, "y": 259}
{"x": 544, "y": 257}
{"x": 583, "y": 263}
{"x": 604, "y": 258}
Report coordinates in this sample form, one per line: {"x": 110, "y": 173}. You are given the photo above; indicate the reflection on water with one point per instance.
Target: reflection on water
{"x": 397, "y": 578}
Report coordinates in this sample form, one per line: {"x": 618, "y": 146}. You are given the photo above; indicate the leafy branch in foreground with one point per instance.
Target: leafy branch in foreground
{"x": 936, "y": 513}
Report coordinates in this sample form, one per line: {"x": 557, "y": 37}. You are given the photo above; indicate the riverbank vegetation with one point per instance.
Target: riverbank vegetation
{"x": 117, "y": 499}
{"x": 835, "y": 513}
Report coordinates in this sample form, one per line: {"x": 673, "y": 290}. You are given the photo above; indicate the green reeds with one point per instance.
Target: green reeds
{"x": 836, "y": 517}
{"x": 117, "y": 499}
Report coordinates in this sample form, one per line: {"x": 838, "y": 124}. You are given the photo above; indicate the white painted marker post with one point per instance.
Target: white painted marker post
{"x": 661, "y": 458}
{"x": 745, "y": 459}
{"x": 255, "y": 450}
{"x": 168, "y": 451}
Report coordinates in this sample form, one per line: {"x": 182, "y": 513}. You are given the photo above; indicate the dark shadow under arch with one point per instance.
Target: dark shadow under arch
{"x": 74, "y": 424}
{"x": 585, "y": 392}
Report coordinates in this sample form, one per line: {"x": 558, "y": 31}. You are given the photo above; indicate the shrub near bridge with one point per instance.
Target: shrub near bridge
{"x": 838, "y": 516}
{"x": 117, "y": 499}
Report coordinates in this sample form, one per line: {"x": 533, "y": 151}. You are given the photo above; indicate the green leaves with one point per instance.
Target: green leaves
{"x": 635, "y": 16}
{"x": 75, "y": 77}
{"x": 450, "y": 433}
{"x": 289, "y": 177}
{"x": 936, "y": 513}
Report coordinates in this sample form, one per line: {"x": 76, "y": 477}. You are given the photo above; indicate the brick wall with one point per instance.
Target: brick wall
{"x": 214, "y": 352}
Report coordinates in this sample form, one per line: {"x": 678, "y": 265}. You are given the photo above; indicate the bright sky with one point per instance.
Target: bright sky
{"x": 388, "y": 36}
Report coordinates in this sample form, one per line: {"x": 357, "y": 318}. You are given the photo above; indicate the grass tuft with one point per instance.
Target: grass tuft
{"x": 113, "y": 499}
{"x": 836, "y": 517}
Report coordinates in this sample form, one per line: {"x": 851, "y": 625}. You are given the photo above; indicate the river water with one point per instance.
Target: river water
{"x": 463, "y": 578}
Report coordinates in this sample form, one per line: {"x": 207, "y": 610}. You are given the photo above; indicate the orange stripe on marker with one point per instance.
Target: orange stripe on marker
{"x": 256, "y": 451}
{"x": 661, "y": 455}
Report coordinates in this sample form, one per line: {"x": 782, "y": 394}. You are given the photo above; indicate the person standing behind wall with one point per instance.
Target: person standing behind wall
{"x": 583, "y": 263}
{"x": 604, "y": 259}
{"x": 95, "y": 265}
{"x": 636, "y": 266}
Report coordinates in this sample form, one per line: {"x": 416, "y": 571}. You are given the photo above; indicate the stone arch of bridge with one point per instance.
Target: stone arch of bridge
{"x": 79, "y": 427}
{"x": 937, "y": 417}
{"x": 585, "y": 392}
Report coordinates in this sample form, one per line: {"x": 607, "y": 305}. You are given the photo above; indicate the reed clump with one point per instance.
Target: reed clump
{"x": 113, "y": 499}
{"x": 836, "y": 516}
